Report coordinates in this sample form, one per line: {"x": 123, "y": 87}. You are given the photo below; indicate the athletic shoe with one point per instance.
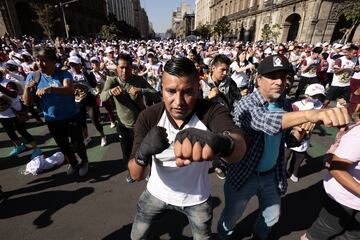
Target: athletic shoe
{"x": 83, "y": 169}
{"x": 220, "y": 173}
{"x": 87, "y": 141}
{"x": 294, "y": 178}
{"x": 71, "y": 170}
{"x": 17, "y": 150}
{"x": 129, "y": 179}
{"x": 103, "y": 141}
{"x": 36, "y": 152}
{"x": 112, "y": 124}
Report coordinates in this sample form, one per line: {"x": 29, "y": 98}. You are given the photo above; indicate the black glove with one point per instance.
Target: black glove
{"x": 154, "y": 142}
{"x": 222, "y": 144}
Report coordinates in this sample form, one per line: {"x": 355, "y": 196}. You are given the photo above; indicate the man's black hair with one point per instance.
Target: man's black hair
{"x": 353, "y": 47}
{"x": 180, "y": 67}
{"x": 221, "y": 58}
{"x": 125, "y": 57}
{"x": 325, "y": 55}
{"x": 317, "y": 50}
{"x": 47, "y": 52}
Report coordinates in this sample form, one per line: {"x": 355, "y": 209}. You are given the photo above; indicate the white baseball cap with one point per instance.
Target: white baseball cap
{"x": 74, "y": 59}
{"x": 94, "y": 59}
{"x": 109, "y": 49}
{"x": 315, "y": 89}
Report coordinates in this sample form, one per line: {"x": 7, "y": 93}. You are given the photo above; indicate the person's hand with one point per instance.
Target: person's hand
{"x": 31, "y": 84}
{"x": 213, "y": 93}
{"x": 330, "y": 117}
{"x": 195, "y": 145}
{"x": 134, "y": 90}
{"x": 154, "y": 142}
{"x": 43, "y": 91}
{"x": 116, "y": 91}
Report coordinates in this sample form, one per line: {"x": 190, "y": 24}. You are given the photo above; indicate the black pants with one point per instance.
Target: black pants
{"x": 61, "y": 131}
{"x": 295, "y": 160}
{"x": 12, "y": 124}
{"x": 335, "y": 221}
{"x": 126, "y": 140}
{"x": 94, "y": 113}
{"x": 302, "y": 84}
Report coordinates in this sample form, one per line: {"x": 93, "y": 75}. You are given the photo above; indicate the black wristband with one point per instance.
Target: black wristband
{"x": 141, "y": 160}
{"x": 231, "y": 145}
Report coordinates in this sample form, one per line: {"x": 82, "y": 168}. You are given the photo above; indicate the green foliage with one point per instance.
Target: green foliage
{"x": 109, "y": 32}
{"x": 118, "y": 29}
{"x": 222, "y": 27}
{"x": 46, "y": 19}
{"x": 203, "y": 31}
{"x": 270, "y": 32}
{"x": 351, "y": 14}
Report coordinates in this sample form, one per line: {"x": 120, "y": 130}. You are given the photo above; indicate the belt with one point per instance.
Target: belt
{"x": 258, "y": 173}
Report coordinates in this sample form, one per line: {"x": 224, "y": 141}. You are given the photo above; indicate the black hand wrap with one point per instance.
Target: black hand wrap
{"x": 222, "y": 145}
{"x": 154, "y": 142}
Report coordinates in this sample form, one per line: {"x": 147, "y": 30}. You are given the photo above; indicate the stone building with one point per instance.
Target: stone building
{"x": 187, "y": 25}
{"x": 178, "y": 17}
{"x": 122, "y": 9}
{"x": 141, "y": 20}
{"x": 83, "y": 17}
{"x": 302, "y": 20}
{"x": 202, "y": 12}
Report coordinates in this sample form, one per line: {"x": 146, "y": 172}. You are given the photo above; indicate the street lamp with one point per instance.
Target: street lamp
{"x": 62, "y": 5}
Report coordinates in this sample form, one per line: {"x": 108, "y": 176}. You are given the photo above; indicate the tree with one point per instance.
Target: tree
{"x": 222, "y": 27}
{"x": 270, "y": 32}
{"x": 351, "y": 14}
{"x": 203, "y": 31}
{"x": 109, "y": 32}
{"x": 46, "y": 19}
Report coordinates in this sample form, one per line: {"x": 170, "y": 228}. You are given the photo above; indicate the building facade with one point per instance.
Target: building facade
{"x": 202, "y": 12}
{"x": 301, "y": 20}
{"x": 178, "y": 17}
{"x": 83, "y": 17}
{"x": 141, "y": 20}
{"x": 122, "y": 9}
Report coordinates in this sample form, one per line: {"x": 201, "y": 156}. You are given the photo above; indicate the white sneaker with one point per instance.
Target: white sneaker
{"x": 112, "y": 125}
{"x": 103, "y": 141}
{"x": 87, "y": 141}
{"x": 71, "y": 170}
{"x": 83, "y": 169}
{"x": 293, "y": 178}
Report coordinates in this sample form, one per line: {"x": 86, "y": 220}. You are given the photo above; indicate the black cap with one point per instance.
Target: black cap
{"x": 274, "y": 63}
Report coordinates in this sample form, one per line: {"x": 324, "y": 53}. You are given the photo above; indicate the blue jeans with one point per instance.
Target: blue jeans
{"x": 148, "y": 207}
{"x": 235, "y": 202}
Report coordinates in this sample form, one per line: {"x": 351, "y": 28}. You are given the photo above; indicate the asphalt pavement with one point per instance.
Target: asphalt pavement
{"x": 101, "y": 205}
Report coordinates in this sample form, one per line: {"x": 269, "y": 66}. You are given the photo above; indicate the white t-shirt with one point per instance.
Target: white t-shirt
{"x": 313, "y": 63}
{"x": 15, "y": 103}
{"x": 240, "y": 78}
{"x": 343, "y": 79}
{"x": 185, "y": 186}
{"x": 304, "y": 105}
{"x": 348, "y": 149}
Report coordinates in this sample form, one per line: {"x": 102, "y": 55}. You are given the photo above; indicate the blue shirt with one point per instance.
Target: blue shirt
{"x": 271, "y": 144}
{"x": 55, "y": 107}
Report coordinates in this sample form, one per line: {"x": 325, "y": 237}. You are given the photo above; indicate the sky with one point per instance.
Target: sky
{"x": 160, "y": 12}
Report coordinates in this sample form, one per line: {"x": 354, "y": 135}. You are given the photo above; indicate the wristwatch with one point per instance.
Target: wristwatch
{"x": 232, "y": 143}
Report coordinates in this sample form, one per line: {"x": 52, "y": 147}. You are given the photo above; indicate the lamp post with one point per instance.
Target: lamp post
{"x": 62, "y": 5}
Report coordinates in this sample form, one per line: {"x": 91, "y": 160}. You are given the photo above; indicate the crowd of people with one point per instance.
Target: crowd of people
{"x": 183, "y": 109}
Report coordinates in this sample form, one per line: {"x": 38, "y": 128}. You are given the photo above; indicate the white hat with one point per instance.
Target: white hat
{"x": 268, "y": 51}
{"x": 94, "y": 59}
{"x": 314, "y": 89}
{"x": 325, "y": 44}
{"x": 318, "y": 44}
{"x": 338, "y": 45}
{"x": 345, "y": 47}
{"x": 109, "y": 49}
{"x": 26, "y": 53}
{"x": 74, "y": 59}
{"x": 13, "y": 62}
